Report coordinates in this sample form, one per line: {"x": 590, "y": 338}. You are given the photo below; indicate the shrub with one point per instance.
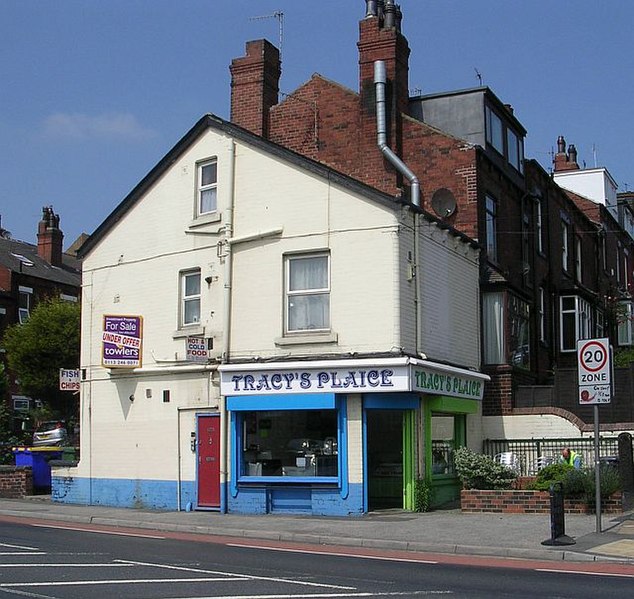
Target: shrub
{"x": 478, "y": 471}
{"x": 578, "y": 482}
{"x": 422, "y": 496}
{"x": 555, "y": 473}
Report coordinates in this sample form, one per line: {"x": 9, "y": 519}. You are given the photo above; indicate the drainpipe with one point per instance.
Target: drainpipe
{"x": 380, "y": 81}
{"x": 226, "y": 321}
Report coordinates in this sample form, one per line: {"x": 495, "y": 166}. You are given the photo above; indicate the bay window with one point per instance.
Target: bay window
{"x": 506, "y": 330}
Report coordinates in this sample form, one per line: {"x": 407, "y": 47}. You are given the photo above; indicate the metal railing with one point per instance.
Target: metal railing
{"x": 534, "y": 452}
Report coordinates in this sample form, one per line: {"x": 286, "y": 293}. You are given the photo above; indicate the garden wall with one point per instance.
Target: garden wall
{"x": 530, "y": 502}
{"x": 15, "y": 481}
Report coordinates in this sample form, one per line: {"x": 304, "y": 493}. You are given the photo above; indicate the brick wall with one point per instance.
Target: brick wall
{"x": 15, "y": 481}
{"x": 497, "y": 399}
{"x": 528, "y": 502}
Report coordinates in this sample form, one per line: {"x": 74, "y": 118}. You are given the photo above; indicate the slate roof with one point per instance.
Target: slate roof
{"x": 19, "y": 256}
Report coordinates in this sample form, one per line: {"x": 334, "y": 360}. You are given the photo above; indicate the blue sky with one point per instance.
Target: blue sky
{"x": 95, "y": 92}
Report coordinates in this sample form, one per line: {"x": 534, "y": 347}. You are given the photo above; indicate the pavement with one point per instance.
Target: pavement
{"x": 447, "y": 531}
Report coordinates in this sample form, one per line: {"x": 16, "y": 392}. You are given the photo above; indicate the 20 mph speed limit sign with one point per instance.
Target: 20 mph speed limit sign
{"x": 595, "y": 371}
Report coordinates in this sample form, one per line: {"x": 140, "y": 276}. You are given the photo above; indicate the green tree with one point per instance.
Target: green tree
{"x": 37, "y": 349}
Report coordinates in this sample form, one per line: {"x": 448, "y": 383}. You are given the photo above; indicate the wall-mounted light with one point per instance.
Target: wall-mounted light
{"x": 131, "y": 398}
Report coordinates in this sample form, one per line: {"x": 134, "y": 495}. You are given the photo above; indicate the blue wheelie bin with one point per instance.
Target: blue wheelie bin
{"x": 38, "y": 458}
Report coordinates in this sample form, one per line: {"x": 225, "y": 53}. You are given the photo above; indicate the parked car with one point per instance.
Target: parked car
{"x": 50, "y": 433}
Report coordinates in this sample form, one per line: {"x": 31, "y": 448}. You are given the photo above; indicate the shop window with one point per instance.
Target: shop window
{"x": 307, "y": 293}
{"x": 289, "y": 443}
{"x": 448, "y": 432}
{"x": 443, "y": 444}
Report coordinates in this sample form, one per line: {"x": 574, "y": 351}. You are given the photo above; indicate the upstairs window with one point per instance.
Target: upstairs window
{"x": 307, "y": 293}
{"x": 515, "y": 149}
{"x": 207, "y": 187}
{"x": 190, "y": 297}
{"x": 491, "y": 228}
{"x": 575, "y": 322}
{"x": 565, "y": 246}
{"x": 625, "y": 320}
{"x": 542, "y": 315}
{"x": 494, "y": 130}
{"x": 578, "y": 267}
{"x": 24, "y": 303}
{"x": 539, "y": 224}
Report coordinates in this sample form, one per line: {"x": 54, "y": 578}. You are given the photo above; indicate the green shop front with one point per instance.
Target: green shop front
{"x": 343, "y": 437}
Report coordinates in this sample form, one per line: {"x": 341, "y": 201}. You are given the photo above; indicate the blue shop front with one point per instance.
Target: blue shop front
{"x": 336, "y": 437}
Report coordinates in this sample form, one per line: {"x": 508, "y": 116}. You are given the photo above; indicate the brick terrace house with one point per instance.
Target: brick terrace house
{"x": 30, "y": 273}
{"x": 542, "y": 288}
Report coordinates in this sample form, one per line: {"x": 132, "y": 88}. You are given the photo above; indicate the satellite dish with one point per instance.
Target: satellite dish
{"x": 443, "y": 202}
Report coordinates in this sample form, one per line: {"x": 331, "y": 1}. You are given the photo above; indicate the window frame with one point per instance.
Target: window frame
{"x": 185, "y": 298}
{"x": 291, "y": 293}
{"x": 201, "y": 188}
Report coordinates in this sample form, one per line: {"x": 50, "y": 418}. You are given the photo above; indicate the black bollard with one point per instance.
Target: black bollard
{"x": 557, "y": 522}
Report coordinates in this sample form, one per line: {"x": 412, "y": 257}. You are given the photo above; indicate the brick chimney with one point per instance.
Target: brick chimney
{"x": 255, "y": 86}
{"x": 380, "y": 38}
{"x": 565, "y": 161}
{"x": 49, "y": 237}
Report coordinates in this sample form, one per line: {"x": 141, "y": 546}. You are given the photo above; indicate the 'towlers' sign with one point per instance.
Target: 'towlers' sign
{"x": 122, "y": 341}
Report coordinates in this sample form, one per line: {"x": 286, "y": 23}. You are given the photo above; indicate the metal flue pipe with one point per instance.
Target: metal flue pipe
{"x": 380, "y": 82}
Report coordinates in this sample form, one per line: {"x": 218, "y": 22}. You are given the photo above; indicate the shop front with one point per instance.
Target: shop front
{"x": 333, "y": 437}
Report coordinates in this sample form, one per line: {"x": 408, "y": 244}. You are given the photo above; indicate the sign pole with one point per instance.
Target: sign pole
{"x": 597, "y": 472}
{"x": 595, "y": 364}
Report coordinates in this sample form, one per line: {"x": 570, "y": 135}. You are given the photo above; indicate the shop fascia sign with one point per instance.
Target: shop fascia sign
{"x": 355, "y": 377}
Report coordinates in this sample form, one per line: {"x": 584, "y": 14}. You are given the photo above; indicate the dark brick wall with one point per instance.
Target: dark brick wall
{"x": 15, "y": 482}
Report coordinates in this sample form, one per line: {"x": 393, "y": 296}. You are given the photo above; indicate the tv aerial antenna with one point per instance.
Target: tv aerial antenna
{"x": 279, "y": 15}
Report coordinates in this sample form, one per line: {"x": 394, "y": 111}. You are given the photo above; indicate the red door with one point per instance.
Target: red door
{"x": 208, "y": 436}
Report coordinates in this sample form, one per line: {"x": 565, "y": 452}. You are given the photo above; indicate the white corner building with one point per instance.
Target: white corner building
{"x": 263, "y": 334}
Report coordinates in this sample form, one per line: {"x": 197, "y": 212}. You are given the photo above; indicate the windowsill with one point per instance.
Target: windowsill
{"x": 307, "y": 339}
{"x": 330, "y": 480}
{"x": 193, "y": 331}
{"x": 205, "y": 219}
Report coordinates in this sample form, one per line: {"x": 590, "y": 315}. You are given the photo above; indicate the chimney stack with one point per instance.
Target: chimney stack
{"x": 255, "y": 86}
{"x": 49, "y": 237}
{"x": 565, "y": 161}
